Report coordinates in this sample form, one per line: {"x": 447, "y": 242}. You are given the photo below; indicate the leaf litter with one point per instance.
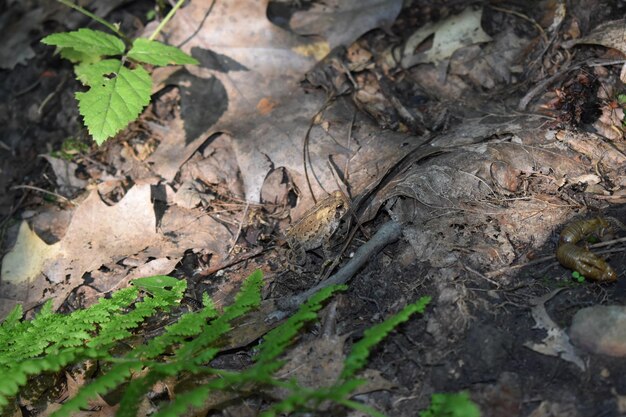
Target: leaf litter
{"x": 243, "y": 147}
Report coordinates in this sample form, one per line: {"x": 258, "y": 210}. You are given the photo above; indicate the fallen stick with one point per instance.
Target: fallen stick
{"x": 388, "y": 233}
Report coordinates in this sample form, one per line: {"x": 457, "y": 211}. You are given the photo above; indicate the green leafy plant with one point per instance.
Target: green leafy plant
{"x": 451, "y": 405}
{"x": 50, "y": 342}
{"x": 112, "y": 67}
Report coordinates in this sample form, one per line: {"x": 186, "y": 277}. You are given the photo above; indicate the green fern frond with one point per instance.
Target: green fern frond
{"x": 120, "y": 325}
{"x": 451, "y": 405}
{"x": 136, "y": 389}
{"x": 51, "y": 333}
{"x": 277, "y": 339}
{"x": 189, "y": 325}
{"x": 372, "y": 336}
{"x": 186, "y": 346}
{"x": 51, "y": 341}
{"x": 102, "y": 385}
{"x": 11, "y": 326}
{"x": 15, "y": 377}
{"x": 249, "y": 297}
{"x": 183, "y": 402}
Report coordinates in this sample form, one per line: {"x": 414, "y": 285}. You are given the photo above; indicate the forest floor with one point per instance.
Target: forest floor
{"x": 483, "y": 131}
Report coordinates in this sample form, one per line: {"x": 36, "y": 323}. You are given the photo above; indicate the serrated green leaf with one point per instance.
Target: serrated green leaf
{"x": 116, "y": 97}
{"x": 93, "y": 42}
{"x": 75, "y": 56}
{"x": 157, "y": 53}
{"x": 93, "y": 74}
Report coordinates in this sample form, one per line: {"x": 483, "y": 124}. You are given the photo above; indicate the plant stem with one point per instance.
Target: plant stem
{"x": 87, "y": 13}
{"x": 166, "y": 19}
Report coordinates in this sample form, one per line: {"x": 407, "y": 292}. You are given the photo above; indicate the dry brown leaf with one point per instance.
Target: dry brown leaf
{"x": 248, "y": 85}
{"x": 354, "y": 17}
{"x": 65, "y": 172}
{"x": 99, "y": 235}
{"x": 450, "y": 34}
{"x": 557, "y": 342}
{"x": 609, "y": 34}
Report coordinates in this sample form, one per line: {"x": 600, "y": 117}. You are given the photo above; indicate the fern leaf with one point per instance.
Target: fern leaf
{"x": 157, "y": 53}
{"x": 136, "y": 389}
{"x": 61, "y": 339}
{"x": 182, "y": 402}
{"x": 116, "y": 96}
{"x": 12, "y": 319}
{"x": 364, "y": 409}
{"x": 120, "y": 325}
{"x": 100, "y": 386}
{"x": 248, "y": 297}
{"x": 189, "y": 325}
{"x": 93, "y": 42}
{"x": 451, "y": 405}
{"x": 361, "y": 350}
{"x": 16, "y": 376}
{"x": 277, "y": 339}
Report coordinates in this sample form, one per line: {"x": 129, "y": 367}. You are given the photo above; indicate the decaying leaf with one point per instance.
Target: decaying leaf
{"x": 355, "y": 17}
{"x": 609, "y": 34}
{"x": 99, "y": 235}
{"x": 22, "y": 265}
{"x": 248, "y": 84}
{"x": 557, "y": 342}
{"x": 450, "y": 35}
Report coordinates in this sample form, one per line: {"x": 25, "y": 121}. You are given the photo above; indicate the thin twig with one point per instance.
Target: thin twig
{"x": 523, "y": 16}
{"x": 242, "y": 257}
{"x": 388, "y": 233}
{"x": 97, "y": 19}
{"x": 486, "y": 278}
{"x": 41, "y": 190}
{"x": 306, "y": 153}
{"x": 243, "y": 219}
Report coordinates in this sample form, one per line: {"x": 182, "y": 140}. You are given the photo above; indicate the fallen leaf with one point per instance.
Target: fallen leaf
{"x": 248, "y": 84}
{"x": 24, "y": 261}
{"x": 557, "y": 342}
{"x": 609, "y": 34}
{"x": 354, "y": 17}
{"x": 450, "y": 34}
{"x": 65, "y": 173}
{"x": 98, "y": 235}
